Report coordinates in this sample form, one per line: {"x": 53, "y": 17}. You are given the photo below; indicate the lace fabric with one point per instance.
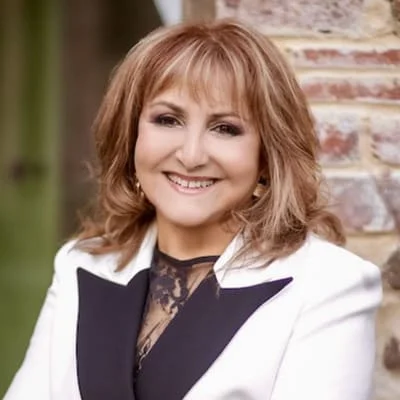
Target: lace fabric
{"x": 172, "y": 282}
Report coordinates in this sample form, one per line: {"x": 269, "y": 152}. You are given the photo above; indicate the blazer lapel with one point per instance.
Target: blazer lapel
{"x": 197, "y": 335}
{"x": 108, "y": 322}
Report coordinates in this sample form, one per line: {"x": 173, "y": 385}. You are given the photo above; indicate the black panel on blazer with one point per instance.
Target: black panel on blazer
{"x": 109, "y": 320}
{"x": 197, "y": 335}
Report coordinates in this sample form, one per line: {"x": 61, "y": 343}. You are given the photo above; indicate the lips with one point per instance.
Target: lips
{"x": 190, "y": 182}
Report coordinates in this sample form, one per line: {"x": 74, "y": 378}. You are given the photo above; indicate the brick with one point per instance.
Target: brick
{"x": 349, "y": 18}
{"x": 309, "y": 57}
{"x": 396, "y": 15}
{"x": 387, "y": 385}
{"x": 359, "y": 205}
{"x": 378, "y": 89}
{"x": 385, "y": 134}
{"x": 391, "y": 270}
{"x": 338, "y": 135}
{"x": 391, "y": 354}
{"x": 389, "y": 187}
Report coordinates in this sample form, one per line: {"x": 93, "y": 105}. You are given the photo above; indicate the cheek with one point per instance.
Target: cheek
{"x": 148, "y": 150}
{"x": 242, "y": 161}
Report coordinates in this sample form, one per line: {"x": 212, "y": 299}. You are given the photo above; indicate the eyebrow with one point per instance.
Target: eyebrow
{"x": 179, "y": 110}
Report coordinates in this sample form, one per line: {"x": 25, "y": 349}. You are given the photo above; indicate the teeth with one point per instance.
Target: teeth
{"x": 190, "y": 184}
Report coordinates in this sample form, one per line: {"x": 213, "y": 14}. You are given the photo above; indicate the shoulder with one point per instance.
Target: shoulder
{"x": 331, "y": 271}
{"x": 72, "y": 256}
{"x": 334, "y": 262}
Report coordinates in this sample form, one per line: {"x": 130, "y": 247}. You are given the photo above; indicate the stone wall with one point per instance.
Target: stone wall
{"x": 347, "y": 57}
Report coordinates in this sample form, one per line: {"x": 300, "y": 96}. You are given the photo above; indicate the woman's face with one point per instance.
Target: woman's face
{"x": 195, "y": 160}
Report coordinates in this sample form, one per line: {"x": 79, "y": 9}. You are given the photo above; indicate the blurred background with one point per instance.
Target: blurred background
{"x": 55, "y": 60}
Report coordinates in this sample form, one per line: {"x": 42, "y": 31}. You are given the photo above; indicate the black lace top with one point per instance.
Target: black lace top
{"x": 172, "y": 282}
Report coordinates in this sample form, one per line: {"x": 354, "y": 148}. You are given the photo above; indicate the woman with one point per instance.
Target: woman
{"x": 211, "y": 269}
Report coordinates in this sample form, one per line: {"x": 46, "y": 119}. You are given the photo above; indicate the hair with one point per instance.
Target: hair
{"x": 294, "y": 202}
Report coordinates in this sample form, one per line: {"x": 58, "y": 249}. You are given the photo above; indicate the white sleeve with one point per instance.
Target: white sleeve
{"x": 32, "y": 380}
{"x": 331, "y": 353}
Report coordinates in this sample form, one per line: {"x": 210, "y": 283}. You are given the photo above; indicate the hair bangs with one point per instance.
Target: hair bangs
{"x": 205, "y": 71}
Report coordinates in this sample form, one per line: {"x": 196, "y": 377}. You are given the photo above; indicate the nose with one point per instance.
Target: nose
{"x": 192, "y": 152}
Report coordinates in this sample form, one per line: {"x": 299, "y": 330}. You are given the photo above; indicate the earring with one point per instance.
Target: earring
{"x": 260, "y": 188}
{"x": 138, "y": 189}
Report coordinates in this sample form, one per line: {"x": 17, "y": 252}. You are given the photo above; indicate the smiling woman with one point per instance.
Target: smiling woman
{"x": 226, "y": 68}
{"x": 211, "y": 268}
{"x": 195, "y": 159}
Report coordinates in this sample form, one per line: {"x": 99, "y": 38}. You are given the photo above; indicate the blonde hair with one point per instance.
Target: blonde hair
{"x": 260, "y": 80}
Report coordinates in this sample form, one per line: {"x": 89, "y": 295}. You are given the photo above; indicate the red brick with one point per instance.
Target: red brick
{"x": 386, "y": 139}
{"x": 358, "y": 203}
{"x": 340, "y": 58}
{"x": 367, "y": 89}
{"x": 350, "y": 18}
{"x": 338, "y": 135}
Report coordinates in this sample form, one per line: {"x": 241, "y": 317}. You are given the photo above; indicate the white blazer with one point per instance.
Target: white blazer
{"x": 302, "y": 328}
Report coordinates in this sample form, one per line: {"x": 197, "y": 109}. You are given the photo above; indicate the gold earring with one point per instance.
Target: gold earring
{"x": 260, "y": 188}
{"x": 138, "y": 189}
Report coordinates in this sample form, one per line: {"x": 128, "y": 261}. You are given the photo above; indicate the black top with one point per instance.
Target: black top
{"x": 171, "y": 283}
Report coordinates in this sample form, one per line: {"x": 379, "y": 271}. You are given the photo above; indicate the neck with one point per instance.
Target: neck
{"x": 185, "y": 243}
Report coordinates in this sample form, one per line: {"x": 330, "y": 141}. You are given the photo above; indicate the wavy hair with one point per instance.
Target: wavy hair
{"x": 261, "y": 81}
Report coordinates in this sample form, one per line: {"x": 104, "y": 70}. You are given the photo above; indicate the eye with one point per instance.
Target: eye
{"x": 228, "y": 129}
{"x": 166, "y": 120}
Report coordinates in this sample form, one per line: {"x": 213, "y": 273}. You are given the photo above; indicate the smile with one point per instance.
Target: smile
{"x": 193, "y": 184}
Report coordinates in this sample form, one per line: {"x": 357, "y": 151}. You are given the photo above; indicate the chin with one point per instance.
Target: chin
{"x": 190, "y": 223}
{"x": 190, "y": 220}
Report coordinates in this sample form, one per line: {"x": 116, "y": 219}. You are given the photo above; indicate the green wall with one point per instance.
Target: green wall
{"x": 29, "y": 135}
{"x": 55, "y": 59}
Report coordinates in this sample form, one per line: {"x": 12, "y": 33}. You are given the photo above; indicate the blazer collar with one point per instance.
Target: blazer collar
{"x": 109, "y": 320}
{"x": 230, "y": 272}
